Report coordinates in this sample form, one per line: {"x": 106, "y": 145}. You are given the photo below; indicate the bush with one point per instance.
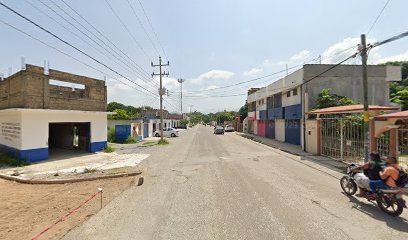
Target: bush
{"x": 163, "y": 142}
{"x": 8, "y": 160}
{"x": 130, "y": 140}
{"x": 108, "y": 149}
{"x": 111, "y": 135}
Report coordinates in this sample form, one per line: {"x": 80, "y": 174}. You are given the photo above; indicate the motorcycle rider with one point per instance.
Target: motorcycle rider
{"x": 370, "y": 172}
{"x": 388, "y": 177}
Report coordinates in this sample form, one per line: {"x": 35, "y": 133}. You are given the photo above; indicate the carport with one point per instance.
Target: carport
{"x": 69, "y": 136}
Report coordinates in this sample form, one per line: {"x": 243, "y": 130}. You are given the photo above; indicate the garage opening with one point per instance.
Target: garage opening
{"x": 69, "y": 136}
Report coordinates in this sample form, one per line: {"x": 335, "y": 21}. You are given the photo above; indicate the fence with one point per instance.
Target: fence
{"x": 343, "y": 139}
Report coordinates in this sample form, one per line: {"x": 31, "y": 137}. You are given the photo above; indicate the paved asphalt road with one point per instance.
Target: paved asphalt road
{"x": 206, "y": 186}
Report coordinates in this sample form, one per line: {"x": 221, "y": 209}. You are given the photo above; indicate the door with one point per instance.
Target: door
{"x": 292, "y": 131}
{"x": 270, "y": 129}
{"x": 146, "y": 130}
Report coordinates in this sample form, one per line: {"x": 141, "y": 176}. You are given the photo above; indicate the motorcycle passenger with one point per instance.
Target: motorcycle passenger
{"x": 371, "y": 172}
{"x": 388, "y": 176}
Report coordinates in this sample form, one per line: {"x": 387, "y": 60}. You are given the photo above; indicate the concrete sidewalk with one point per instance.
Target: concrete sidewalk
{"x": 326, "y": 162}
{"x": 77, "y": 166}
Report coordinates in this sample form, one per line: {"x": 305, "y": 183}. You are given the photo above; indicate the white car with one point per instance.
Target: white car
{"x": 229, "y": 129}
{"x": 167, "y": 132}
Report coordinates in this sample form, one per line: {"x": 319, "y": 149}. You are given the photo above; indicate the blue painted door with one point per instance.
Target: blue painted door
{"x": 292, "y": 131}
{"x": 145, "y": 130}
{"x": 122, "y": 132}
{"x": 270, "y": 129}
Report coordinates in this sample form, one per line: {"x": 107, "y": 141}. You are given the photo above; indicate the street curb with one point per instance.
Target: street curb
{"x": 63, "y": 181}
{"x": 312, "y": 162}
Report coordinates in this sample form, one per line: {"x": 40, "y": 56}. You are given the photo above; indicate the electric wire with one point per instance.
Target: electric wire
{"x": 129, "y": 69}
{"x": 143, "y": 28}
{"x": 107, "y": 39}
{"x": 70, "y": 45}
{"x": 388, "y": 40}
{"x": 151, "y": 26}
{"x": 127, "y": 30}
{"x": 68, "y": 55}
{"x": 138, "y": 69}
{"x": 378, "y": 17}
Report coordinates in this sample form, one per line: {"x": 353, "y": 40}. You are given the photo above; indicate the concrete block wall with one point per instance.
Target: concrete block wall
{"x": 30, "y": 88}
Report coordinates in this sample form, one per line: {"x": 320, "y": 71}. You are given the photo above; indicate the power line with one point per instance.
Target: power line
{"x": 107, "y": 39}
{"x": 127, "y": 29}
{"x": 70, "y": 45}
{"x": 293, "y": 85}
{"x": 68, "y": 55}
{"x": 86, "y": 29}
{"x": 378, "y": 17}
{"x": 144, "y": 29}
{"x": 151, "y": 26}
{"x": 388, "y": 40}
{"x": 129, "y": 69}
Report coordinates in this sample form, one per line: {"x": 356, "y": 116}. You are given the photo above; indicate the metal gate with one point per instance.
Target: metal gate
{"x": 270, "y": 129}
{"x": 343, "y": 139}
{"x": 292, "y": 131}
{"x": 403, "y": 147}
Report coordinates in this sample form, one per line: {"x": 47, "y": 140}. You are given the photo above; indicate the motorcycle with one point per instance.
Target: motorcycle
{"x": 389, "y": 201}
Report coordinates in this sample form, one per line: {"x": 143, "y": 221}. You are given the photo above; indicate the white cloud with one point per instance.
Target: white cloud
{"x": 254, "y": 72}
{"x": 268, "y": 65}
{"x": 212, "y": 75}
{"x": 171, "y": 83}
{"x": 340, "y": 50}
{"x": 299, "y": 57}
{"x": 399, "y": 57}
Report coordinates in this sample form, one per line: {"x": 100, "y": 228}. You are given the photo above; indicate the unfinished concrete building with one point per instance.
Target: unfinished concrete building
{"x": 44, "y": 110}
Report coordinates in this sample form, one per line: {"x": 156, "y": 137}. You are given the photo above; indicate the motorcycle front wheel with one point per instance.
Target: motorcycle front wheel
{"x": 348, "y": 185}
{"x": 390, "y": 204}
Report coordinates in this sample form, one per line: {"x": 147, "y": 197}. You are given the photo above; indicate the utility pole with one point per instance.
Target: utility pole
{"x": 161, "y": 90}
{"x": 180, "y": 80}
{"x": 363, "y": 49}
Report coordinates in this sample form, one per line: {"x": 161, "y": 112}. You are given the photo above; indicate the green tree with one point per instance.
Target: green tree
{"x": 401, "y": 97}
{"x": 327, "y": 99}
{"x": 120, "y": 114}
{"x": 243, "y": 111}
{"x": 398, "y": 90}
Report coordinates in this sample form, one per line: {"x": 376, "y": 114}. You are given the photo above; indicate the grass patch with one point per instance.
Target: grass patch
{"x": 108, "y": 149}
{"x": 111, "y": 135}
{"x": 130, "y": 140}
{"x": 7, "y": 160}
{"x": 150, "y": 142}
{"x": 163, "y": 142}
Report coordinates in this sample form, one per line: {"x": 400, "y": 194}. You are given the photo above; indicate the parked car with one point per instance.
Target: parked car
{"x": 229, "y": 129}
{"x": 218, "y": 130}
{"x": 167, "y": 132}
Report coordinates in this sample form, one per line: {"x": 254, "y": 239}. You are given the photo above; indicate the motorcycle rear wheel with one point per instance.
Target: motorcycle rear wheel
{"x": 390, "y": 204}
{"x": 348, "y": 185}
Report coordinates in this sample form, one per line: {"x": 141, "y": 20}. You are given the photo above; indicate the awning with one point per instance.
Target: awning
{"x": 351, "y": 109}
{"x": 400, "y": 115}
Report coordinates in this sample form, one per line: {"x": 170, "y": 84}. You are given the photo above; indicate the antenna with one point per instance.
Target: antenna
{"x": 23, "y": 64}
{"x": 10, "y": 70}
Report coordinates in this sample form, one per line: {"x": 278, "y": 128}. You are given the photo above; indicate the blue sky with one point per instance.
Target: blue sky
{"x": 210, "y": 43}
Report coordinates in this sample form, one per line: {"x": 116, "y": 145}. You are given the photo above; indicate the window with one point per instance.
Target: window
{"x": 288, "y": 94}
{"x": 295, "y": 92}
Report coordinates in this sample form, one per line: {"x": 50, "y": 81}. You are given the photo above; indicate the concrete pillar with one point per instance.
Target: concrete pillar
{"x": 319, "y": 135}
{"x": 393, "y": 142}
{"x": 373, "y": 139}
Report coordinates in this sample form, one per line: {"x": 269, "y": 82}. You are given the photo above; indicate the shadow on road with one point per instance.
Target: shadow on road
{"x": 372, "y": 210}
